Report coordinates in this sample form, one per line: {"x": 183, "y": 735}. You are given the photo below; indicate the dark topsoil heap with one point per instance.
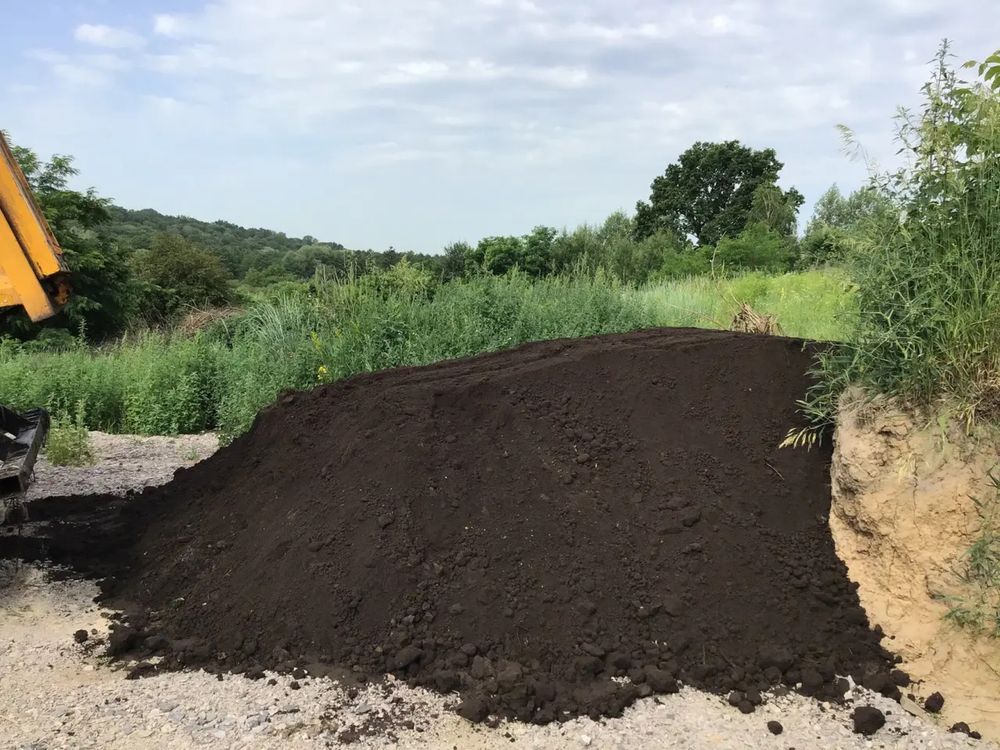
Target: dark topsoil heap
{"x": 520, "y": 527}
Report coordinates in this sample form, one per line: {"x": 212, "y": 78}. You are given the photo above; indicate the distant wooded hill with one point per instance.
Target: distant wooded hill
{"x": 257, "y": 255}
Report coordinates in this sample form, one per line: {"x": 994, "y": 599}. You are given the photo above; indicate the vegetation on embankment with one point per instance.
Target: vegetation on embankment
{"x": 927, "y": 333}
{"x": 927, "y": 263}
{"x": 979, "y": 569}
{"x": 161, "y": 382}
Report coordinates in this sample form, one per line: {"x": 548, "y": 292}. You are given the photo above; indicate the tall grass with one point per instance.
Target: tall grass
{"x": 927, "y": 269}
{"x": 164, "y": 383}
{"x": 816, "y": 304}
{"x": 371, "y": 331}
{"x": 68, "y": 442}
{"x": 218, "y": 379}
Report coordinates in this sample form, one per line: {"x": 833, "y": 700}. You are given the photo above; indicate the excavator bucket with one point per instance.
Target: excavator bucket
{"x": 34, "y": 278}
{"x": 21, "y": 437}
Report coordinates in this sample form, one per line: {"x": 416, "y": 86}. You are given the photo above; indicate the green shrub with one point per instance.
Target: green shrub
{"x": 53, "y": 340}
{"x": 926, "y": 265}
{"x": 928, "y": 273}
{"x": 176, "y": 274}
{"x": 838, "y": 221}
{"x": 979, "y": 571}
{"x": 68, "y": 441}
{"x": 755, "y": 248}
{"x": 824, "y": 245}
{"x": 173, "y": 389}
{"x": 678, "y": 264}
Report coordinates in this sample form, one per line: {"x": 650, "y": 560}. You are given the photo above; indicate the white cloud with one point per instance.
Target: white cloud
{"x": 91, "y": 70}
{"x": 391, "y": 152}
{"x": 80, "y": 75}
{"x": 605, "y": 33}
{"x": 111, "y": 37}
{"x": 23, "y": 88}
{"x": 720, "y": 23}
{"x": 106, "y": 61}
{"x": 424, "y": 69}
{"x": 479, "y": 70}
{"x": 165, "y": 105}
{"x": 166, "y": 25}
{"x": 520, "y": 111}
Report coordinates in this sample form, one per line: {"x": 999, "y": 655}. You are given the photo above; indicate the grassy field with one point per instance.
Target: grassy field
{"x": 217, "y": 379}
{"x": 813, "y": 304}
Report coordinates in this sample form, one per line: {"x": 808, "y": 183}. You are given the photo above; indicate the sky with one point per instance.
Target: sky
{"x": 415, "y": 123}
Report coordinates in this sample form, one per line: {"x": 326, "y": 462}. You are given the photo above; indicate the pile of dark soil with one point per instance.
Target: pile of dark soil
{"x": 520, "y": 527}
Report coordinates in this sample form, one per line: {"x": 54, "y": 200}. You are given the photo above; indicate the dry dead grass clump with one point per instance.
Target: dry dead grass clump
{"x": 747, "y": 320}
{"x": 198, "y": 320}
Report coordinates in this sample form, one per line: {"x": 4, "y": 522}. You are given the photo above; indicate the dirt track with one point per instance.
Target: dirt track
{"x": 57, "y": 694}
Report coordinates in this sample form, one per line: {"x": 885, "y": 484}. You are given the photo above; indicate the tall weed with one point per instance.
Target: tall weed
{"x": 927, "y": 270}
{"x": 219, "y": 378}
{"x": 68, "y": 442}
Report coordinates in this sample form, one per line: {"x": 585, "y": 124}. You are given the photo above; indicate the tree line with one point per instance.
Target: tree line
{"x": 717, "y": 208}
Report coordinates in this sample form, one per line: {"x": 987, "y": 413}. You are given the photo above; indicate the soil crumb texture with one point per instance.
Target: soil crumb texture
{"x": 549, "y": 532}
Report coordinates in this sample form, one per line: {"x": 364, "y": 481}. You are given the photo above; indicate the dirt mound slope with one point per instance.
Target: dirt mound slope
{"x": 520, "y": 527}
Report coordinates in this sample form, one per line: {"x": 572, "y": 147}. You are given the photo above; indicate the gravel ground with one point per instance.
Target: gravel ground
{"x": 124, "y": 462}
{"x": 55, "y": 693}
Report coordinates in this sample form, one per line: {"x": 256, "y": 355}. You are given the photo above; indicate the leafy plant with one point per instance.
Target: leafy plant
{"x": 756, "y": 247}
{"x": 69, "y": 441}
{"x": 709, "y": 192}
{"x": 191, "y": 454}
{"x": 927, "y": 272}
{"x": 980, "y": 573}
{"x": 177, "y": 274}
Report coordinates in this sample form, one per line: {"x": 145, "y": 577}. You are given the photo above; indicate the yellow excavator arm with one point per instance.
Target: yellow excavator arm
{"x": 32, "y": 272}
{"x": 33, "y": 276}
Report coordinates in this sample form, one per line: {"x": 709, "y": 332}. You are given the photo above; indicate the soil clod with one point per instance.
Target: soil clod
{"x": 867, "y": 720}
{"x": 934, "y": 703}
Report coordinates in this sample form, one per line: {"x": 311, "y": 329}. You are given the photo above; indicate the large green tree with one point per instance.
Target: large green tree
{"x": 453, "y": 260}
{"x": 499, "y": 254}
{"x": 103, "y": 290}
{"x": 755, "y": 248}
{"x": 775, "y": 209}
{"x": 838, "y": 221}
{"x": 178, "y": 274}
{"x": 304, "y": 261}
{"x": 708, "y": 192}
{"x": 536, "y": 251}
